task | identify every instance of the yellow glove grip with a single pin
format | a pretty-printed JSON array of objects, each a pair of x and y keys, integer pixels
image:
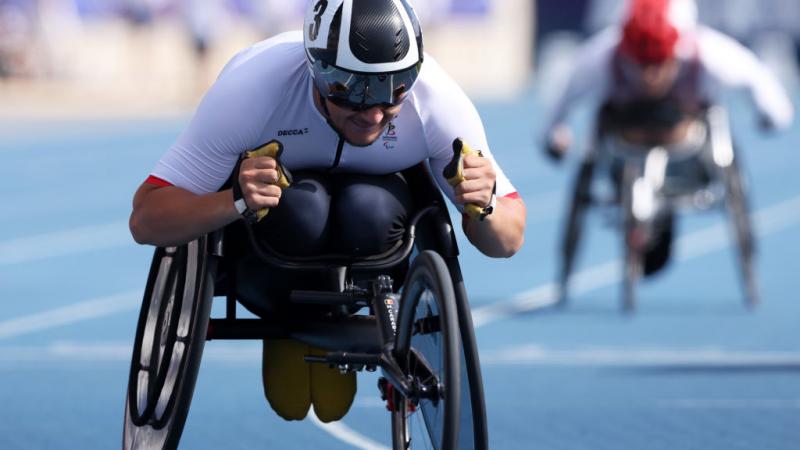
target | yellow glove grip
[
  {"x": 273, "y": 149},
  {"x": 454, "y": 173}
]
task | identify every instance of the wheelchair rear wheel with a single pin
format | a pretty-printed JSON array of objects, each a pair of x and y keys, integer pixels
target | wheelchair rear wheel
[
  {"x": 739, "y": 214},
  {"x": 428, "y": 349},
  {"x": 169, "y": 342}
]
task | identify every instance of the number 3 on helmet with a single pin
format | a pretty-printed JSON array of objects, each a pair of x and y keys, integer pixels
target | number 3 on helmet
[{"x": 363, "y": 53}]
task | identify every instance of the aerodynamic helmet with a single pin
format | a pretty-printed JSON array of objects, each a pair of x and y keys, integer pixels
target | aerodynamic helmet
[
  {"x": 654, "y": 27},
  {"x": 363, "y": 53}
]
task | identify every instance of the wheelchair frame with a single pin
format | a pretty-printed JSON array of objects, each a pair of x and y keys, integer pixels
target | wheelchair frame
[
  {"x": 175, "y": 322},
  {"x": 641, "y": 198}
]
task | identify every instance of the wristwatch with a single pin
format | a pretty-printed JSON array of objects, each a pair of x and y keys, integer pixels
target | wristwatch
[
  {"x": 488, "y": 209},
  {"x": 248, "y": 215}
]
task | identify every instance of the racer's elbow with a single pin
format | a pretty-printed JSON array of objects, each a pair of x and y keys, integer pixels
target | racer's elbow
[
  {"x": 515, "y": 246},
  {"x": 139, "y": 229},
  {"x": 142, "y": 226},
  {"x": 504, "y": 244},
  {"x": 503, "y": 234},
  {"x": 505, "y": 248}
]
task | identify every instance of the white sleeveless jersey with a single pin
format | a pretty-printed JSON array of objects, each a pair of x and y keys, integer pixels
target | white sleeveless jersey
[{"x": 265, "y": 93}]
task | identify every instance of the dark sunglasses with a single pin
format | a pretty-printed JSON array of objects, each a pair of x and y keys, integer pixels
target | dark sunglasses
[
  {"x": 347, "y": 104},
  {"x": 362, "y": 91}
]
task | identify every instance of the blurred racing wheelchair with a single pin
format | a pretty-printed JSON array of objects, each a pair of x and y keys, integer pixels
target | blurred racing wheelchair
[
  {"x": 404, "y": 312},
  {"x": 644, "y": 186}
]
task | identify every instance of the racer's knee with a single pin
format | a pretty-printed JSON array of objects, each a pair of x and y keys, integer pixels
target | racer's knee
[
  {"x": 371, "y": 212},
  {"x": 299, "y": 225}
]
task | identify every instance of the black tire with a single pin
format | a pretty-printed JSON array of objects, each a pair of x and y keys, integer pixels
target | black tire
[
  {"x": 168, "y": 347},
  {"x": 738, "y": 208},
  {"x": 633, "y": 240},
  {"x": 427, "y": 348},
  {"x": 473, "y": 405},
  {"x": 580, "y": 200}
]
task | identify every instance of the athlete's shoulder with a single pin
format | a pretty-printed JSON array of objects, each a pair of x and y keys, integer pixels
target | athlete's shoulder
[
  {"x": 280, "y": 54},
  {"x": 721, "y": 54},
  {"x": 265, "y": 71},
  {"x": 434, "y": 84},
  {"x": 715, "y": 44},
  {"x": 432, "y": 72},
  {"x": 604, "y": 41}
]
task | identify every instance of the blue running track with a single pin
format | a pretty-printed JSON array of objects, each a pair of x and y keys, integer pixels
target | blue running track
[{"x": 692, "y": 369}]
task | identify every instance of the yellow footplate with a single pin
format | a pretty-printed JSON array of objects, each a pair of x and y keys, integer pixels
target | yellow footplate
[
  {"x": 292, "y": 385},
  {"x": 332, "y": 392},
  {"x": 287, "y": 377}
]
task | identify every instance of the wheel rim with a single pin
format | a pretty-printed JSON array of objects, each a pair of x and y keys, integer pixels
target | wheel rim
[
  {"x": 168, "y": 347},
  {"x": 427, "y": 361},
  {"x": 742, "y": 227},
  {"x": 427, "y": 348}
]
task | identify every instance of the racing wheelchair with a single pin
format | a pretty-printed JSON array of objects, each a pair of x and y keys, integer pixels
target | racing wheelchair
[
  {"x": 404, "y": 312},
  {"x": 646, "y": 186}
]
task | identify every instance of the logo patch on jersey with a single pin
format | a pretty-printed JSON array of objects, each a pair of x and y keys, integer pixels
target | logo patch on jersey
[
  {"x": 390, "y": 137},
  {"x": 295, "y": 132}
]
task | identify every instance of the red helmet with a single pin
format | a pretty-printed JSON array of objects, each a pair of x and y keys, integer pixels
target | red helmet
[{"x": 649, "y": 36}]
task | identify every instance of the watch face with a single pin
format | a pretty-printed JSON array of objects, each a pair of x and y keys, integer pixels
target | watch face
[
  {"x": 489, "y": 208},
  {"x": 249, "y": 216}
]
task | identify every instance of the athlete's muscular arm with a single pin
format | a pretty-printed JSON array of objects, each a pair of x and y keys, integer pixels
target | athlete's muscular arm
[
  {"x": 170, "y": 215},
  {"x": 733, "y": 65},
  {"x": 500, "y": 234},
  {"x": 588, "y": 81}
]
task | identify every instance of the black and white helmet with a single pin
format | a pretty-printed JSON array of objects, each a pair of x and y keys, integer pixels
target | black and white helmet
[{"x": 363, "y": 53}]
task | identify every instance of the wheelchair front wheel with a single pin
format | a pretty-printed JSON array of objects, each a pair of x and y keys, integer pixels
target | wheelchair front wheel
[
  {"x": 580, "y": 202},
  {"x": 169, "y": 342},
  {"x": 428, "y": 350},
  {"x": 634, "y": 236}
]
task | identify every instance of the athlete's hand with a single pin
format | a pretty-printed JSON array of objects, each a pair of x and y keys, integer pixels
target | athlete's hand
[
  {"x": 765, "y": 124},
  {"x": 258, "y": 178},
  {"x": 478, "y": 184},
  {"x": 558, "y": 141}
]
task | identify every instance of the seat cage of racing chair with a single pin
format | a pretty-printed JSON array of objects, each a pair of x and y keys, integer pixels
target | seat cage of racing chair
[
  {"x": 686, "y": 173},
  {"x": 360, "y": 337}
]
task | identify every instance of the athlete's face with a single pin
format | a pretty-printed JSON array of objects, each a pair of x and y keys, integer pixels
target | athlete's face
[
  {"x": 359, "y": 128},
  {"x": 655, "y": 80}
]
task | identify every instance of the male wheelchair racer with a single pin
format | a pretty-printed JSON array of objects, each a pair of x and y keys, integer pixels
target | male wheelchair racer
[
  {"x": 404, "y": 311},
  {"x": 649, "y": 184}
]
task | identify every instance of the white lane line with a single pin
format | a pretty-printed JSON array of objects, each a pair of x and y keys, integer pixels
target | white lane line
[
  {"x": 119, "y": 351},
  {"x": 61, "y": 352},
  {"x": 699, "y": 357},
  {"x": 85, "y": 310},
  {"x": 66, "y": 242},
  {"x": 769, "y": 220},
  {"x": 730, "y": 403},
  {"x": 345, "y": 434}
]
